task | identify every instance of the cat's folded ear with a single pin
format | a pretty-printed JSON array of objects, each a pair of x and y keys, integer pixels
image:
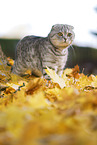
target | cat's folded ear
[
  {"x": 71, "y": 27},
  {"x": 55, "y": 26}
]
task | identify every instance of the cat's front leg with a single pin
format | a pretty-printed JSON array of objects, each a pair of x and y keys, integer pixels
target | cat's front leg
[{"x": 60, "y": 72}]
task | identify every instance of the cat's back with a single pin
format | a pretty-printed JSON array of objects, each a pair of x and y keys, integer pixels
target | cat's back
[
  {"x": 28, "y": 44},
  {"x": 30, "y": 40},
  {"x": 29, "y": 47}
]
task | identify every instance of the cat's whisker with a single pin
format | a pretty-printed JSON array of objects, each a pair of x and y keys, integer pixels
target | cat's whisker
[{"x": 73, "y": 50}]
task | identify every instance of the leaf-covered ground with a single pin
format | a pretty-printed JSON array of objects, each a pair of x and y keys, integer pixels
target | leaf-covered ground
[{"x": 34, "y": 111}]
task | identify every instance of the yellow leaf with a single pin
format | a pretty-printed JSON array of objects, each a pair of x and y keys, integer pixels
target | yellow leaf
[
  {"x": 14, "y": 86},
  {"x": 34, "y": 86},
  {"x": 67, "y": 71},
  {"x": 55, "y": 78},
  {"x": 11, "y": 61}
]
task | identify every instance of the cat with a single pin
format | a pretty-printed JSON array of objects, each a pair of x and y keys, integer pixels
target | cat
[{"x": 35, "y": 53}]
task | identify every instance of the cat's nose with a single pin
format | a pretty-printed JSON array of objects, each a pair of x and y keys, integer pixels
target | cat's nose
[{"x": 65, "y": 39}]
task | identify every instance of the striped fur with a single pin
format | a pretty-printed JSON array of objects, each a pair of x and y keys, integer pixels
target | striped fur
[{"x": 35, "y": 53}]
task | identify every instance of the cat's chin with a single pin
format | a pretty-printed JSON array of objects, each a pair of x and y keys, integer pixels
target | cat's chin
[
  {"x": 65, "y": 45},
  {"x": 62, "y": 47}
]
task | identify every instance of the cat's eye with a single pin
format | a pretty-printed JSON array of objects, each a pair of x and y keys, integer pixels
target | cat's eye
[
  {"x": 60, "y": 34},
  {"x": 69, "y": 34}
]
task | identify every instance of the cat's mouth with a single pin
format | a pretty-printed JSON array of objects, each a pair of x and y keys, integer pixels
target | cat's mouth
[{"x": 66, "y": 43}]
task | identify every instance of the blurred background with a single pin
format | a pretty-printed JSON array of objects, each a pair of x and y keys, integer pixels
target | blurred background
[{"x": 19, "y": 18}]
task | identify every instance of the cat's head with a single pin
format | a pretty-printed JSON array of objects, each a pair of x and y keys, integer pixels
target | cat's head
[{"x": 61, "y": 36}]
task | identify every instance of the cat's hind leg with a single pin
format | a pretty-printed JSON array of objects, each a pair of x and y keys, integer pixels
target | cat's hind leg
[{"x": 18, "y": 69}]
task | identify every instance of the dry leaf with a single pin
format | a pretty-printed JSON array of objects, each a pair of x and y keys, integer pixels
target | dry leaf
[
  {"x": 10, "y": 61},
  {"x": 74, "y": 73},
  {"x": 34, "y": 85},
  {"x": 55, "y": 78}
]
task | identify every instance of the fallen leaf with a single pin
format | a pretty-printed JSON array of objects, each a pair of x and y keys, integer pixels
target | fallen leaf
[
  {"x": 74, "y": 73},
  {"x": 55, "y": 78},
  {"x": 34, "y": 85},
  {"x": 10, "y": 61}
]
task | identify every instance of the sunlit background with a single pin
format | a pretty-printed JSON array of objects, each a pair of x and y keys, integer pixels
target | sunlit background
[{"x": 35, "y": 17}]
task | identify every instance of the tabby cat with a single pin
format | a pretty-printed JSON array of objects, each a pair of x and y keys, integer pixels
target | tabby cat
[{"x": 35, "y": 53}]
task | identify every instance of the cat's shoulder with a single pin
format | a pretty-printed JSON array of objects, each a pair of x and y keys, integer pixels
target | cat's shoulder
[{"x": 30, "y": 37}]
